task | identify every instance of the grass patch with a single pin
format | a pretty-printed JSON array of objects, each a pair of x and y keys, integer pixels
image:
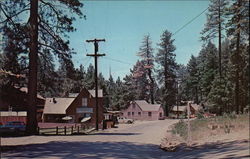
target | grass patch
[{"x": 204, "y": 127}]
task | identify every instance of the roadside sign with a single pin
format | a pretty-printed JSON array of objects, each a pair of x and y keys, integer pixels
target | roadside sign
[{"x": 84, "y": 110}]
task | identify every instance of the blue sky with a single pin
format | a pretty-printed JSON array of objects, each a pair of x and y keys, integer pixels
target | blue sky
[{"x": 124, "y": 24}]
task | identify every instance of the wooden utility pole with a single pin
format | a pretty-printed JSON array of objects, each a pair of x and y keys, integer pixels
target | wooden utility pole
[
  {"x": 33, "y": 55},
  {"x": 96, "y": 55},
  {"x": 189, "y": 139}
]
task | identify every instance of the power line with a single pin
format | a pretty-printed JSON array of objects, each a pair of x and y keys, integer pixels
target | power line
[
  {"x": 190, "y": 21},
  {"x": 87, "y": 61},
  {"x": 127, "y": 63}
]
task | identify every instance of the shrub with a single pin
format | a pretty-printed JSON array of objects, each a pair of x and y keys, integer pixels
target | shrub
[{"x": 180, "y": 128}]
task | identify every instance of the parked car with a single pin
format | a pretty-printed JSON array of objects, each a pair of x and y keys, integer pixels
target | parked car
[
  {"x": 13, "y": 127},
  {"x": 125, "y": 120},
  {"x": 162, "y": 118}
]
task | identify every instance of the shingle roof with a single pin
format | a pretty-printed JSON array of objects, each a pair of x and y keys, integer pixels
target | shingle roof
[
  {"x": 58, "y": 106},
  {"x": 196, "y": 107},
  {"x": 61, "y": 104},
  {"x": 145, "y": 106},
  {"x": 180, "y": 108},
  {"x": 184, "y": 108}
]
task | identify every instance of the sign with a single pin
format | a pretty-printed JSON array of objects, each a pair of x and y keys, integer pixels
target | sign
[{"x": 84, "y": 110}]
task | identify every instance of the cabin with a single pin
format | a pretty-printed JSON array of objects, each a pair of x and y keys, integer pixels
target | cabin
[
  {"x": 76, "y": 108},
  {"x": 142, "y": 110},
  {"x": 14, "y": 99},
  {"x": 182, "y": 110}
]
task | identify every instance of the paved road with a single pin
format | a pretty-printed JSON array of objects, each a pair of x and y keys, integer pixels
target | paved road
[{"x": 135, "y": 141}]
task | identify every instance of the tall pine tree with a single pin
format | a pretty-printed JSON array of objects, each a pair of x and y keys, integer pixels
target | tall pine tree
[{"x": 167, "y": 68}]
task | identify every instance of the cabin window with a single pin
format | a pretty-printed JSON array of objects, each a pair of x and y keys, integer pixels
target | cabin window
[
  {"x": 149, "y": 113},
  {"x": 139, "y": 113},
  {"x": 84, "y": 102},
  {"x": 160, "y": 114},
  {"x": 133, "y": 113},
  {"x": 128, "y": 113}
]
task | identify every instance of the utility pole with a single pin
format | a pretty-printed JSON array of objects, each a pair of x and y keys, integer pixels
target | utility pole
[{"x": 96, "y": 55}]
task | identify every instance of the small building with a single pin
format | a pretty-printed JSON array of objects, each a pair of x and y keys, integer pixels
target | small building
[
  {"x": 142, "y": 110},
  {"x": 8, "y": 116},
  {"x": 16, "y": 99},
  {"x": 77, "y": 108},
  {"x": 182, "y": 110}
]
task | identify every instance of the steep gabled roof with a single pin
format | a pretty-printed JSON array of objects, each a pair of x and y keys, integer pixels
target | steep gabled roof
[
  {"x": 57, "y": 105},
  {"x": 60, "y": 105},
  {"x": 180, "y": 108},
  {"x": 145, "y": 106}
]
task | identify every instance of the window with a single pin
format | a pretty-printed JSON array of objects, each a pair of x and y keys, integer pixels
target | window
[
  {"x": 133, "y": 105},
  {"x": 160, "y": 114},
  {"x": 139, "y": 113},
  {"x": 133, "y": 113},
  {"x": 84, "y": 102},
  {"x": 128, "y": 113},
  {"x": 149, "y": 113}
]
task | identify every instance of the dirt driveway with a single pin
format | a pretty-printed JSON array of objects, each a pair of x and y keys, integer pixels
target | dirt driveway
[{"x": 135, "y": 141}]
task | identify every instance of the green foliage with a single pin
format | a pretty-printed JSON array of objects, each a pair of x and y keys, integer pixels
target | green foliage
[
  {"x": 54, "y": 24},
  {"x": 180, "y": 128},
  {"x": 166, "y": 72},
  {"x": 146, "y": 53}
]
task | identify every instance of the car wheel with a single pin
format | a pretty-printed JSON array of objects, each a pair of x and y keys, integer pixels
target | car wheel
[{"x": 129, "y": 122}]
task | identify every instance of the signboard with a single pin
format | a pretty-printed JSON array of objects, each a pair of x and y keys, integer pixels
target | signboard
[{"x": 84, "y": 110}]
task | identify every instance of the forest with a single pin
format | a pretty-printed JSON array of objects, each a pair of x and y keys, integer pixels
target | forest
[{"x": 218, "y": 77}]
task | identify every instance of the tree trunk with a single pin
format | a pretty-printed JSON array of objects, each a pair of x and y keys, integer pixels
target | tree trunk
[
  {"x": 151, "y": 86},
  {"x": 33, "y": 55},
  {"x": 237, "y": 82},
  {"x": 219, "y": 41},
  {"x": 166, "y": 83}
]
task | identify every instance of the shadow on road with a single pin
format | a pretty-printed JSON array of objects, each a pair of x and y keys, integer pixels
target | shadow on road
[
  {"x": 121, "y": 150},
  {"x": 126, "y": 134},
  {"x": 90, "y": 150}
]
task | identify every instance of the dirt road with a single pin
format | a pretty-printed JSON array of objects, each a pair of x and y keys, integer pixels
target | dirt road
[{"x": 135, "y": 141}]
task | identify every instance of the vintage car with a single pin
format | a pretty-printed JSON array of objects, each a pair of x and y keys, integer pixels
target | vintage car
[
  {"x": 125, "y": 120},
  {"x": 13, "y": 127}
]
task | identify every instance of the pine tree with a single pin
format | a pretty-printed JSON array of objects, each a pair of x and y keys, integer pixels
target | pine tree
[
  {"x": 140, "y": 81},
  {"x": 89, "y": 81},
  {"x": 146, "y": 53},
  {"x": 215, "y": 24},
  {"x": 167, "y": 67},
  {"x": 193, "y": 80},
  {"x": 43, "y": 30},
  {"x": 208, "y": 64},
  {"x": 238, "y": 32}
]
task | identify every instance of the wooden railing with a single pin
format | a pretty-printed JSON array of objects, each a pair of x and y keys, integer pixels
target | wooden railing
[{"x": 66, "y": 130}]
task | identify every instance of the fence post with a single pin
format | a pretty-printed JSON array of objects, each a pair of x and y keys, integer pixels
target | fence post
[
  {"x": 57, "y": 130},
  {"x": 72, "y": 130},
  {"x": 38, "y": 130},
  {"x": 65, "y": 130}
]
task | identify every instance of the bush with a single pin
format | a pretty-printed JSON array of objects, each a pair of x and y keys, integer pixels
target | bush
[
  {"x": 200, "y": 115},
  {"x": 180, "y": 128}
]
